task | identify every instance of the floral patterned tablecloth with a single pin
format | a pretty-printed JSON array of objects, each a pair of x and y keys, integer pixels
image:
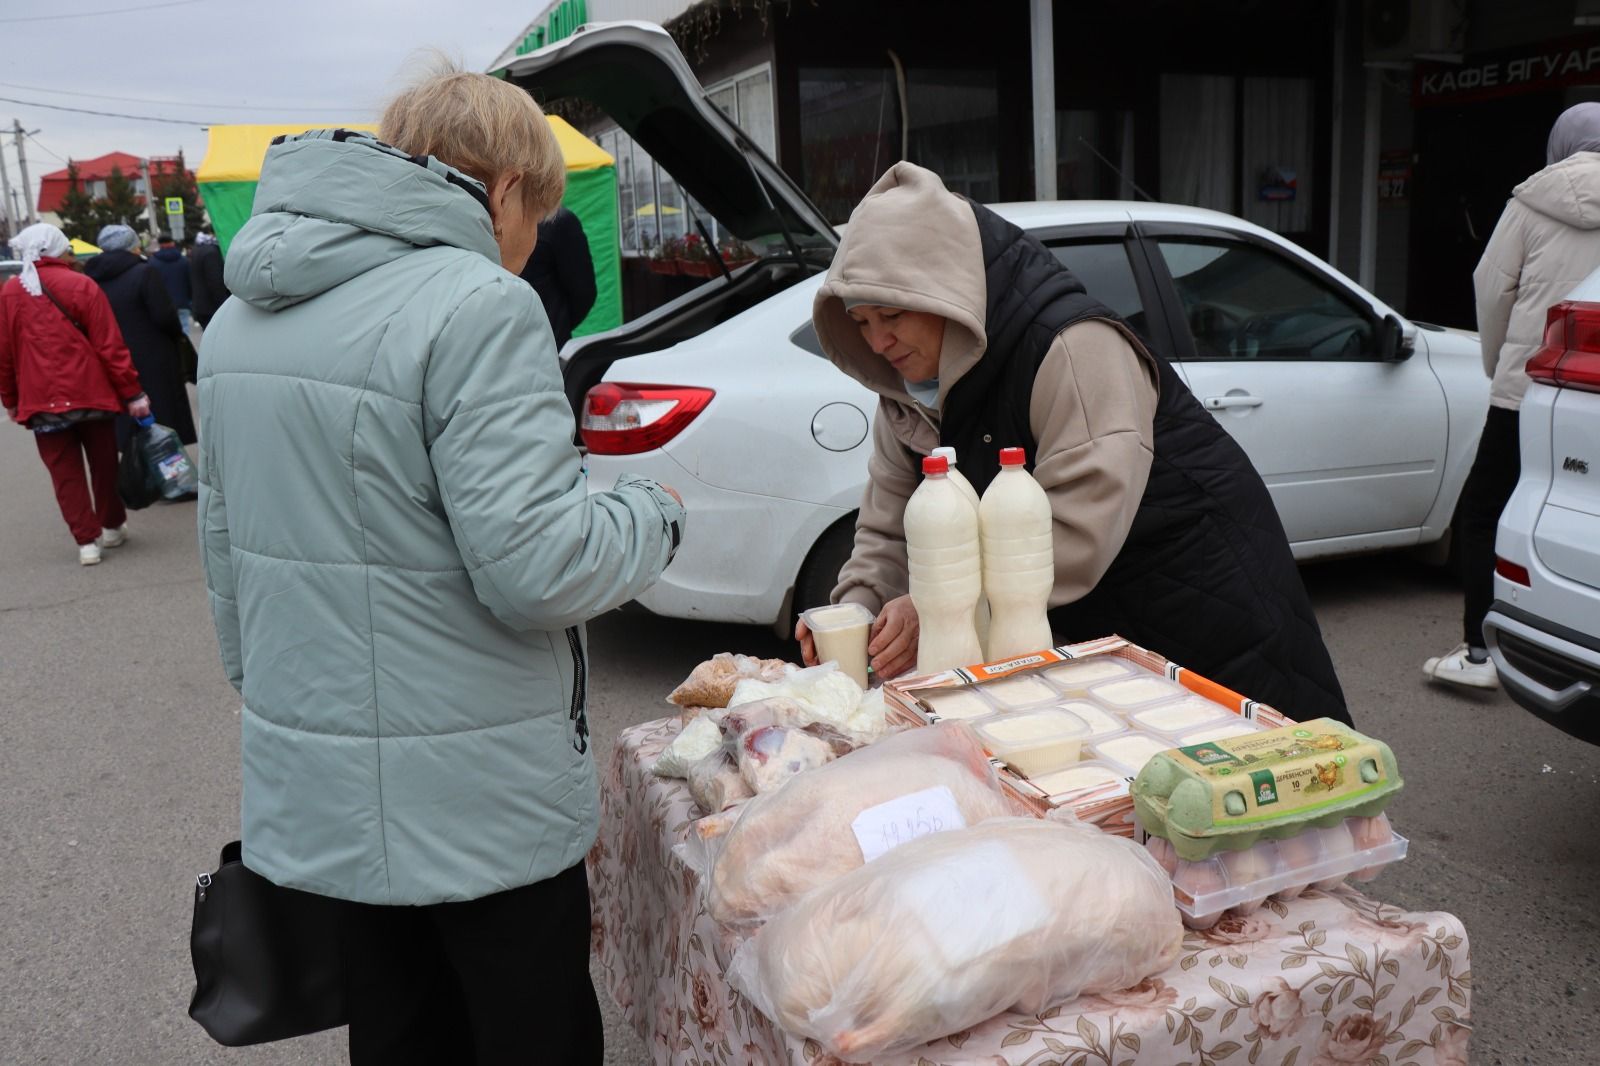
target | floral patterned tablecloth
[{"x": 1331, "y": 979}]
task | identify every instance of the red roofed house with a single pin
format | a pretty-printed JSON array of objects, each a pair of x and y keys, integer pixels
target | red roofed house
[{"x": 92, "y": 173}]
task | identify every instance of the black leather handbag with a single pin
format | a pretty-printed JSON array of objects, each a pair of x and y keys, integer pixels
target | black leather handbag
[{"x": 267, "y": 959}]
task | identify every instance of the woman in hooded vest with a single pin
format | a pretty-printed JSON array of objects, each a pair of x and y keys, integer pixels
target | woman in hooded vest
[
  {"x": 1547, "y": 240},
  {"x": 975, "y": 336}
]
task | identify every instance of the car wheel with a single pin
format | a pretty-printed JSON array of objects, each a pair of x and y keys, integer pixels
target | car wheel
[{"x": 821, "y": 570}]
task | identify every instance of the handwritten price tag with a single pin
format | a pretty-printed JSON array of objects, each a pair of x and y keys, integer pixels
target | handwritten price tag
[{"x": 885, "y": 827}]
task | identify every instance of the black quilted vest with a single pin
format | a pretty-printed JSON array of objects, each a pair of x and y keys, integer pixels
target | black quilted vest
[{"x": 1205, "y": 576}]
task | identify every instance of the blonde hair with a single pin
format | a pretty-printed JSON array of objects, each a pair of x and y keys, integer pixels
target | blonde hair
[{"x": 484, "y": 127}]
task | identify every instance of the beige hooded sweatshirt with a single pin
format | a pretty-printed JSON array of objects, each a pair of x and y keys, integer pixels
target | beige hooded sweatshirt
[
  {"x": 1547, "y": 240},
  {"x": 912, "y": 244}
]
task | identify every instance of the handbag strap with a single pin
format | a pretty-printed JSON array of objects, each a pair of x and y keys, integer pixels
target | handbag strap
[{"x": 60, "y": 307}]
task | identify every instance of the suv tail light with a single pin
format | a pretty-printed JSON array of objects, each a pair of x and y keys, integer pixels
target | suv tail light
[
  {"x": 1512, "y": 572},
  {"x": 1570, "y": 356},
  {"x": 621, "y": 418}
]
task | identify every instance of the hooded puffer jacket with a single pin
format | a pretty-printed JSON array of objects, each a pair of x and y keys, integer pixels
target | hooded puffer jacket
[
  {"x": 1164, "y": 533},
  {"x": 1547, "y": 240},
  {"x": 399, "y": 544}
]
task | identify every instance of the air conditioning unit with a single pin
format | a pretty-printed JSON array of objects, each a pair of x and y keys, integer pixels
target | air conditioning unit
[{"x": 1395, "y": 32}]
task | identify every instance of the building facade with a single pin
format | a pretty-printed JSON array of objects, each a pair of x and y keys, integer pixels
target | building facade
[{"x": 1383, "y": 135}]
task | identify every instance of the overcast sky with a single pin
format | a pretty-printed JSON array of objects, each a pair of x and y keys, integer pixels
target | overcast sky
[{"x": 205, "y": 61}]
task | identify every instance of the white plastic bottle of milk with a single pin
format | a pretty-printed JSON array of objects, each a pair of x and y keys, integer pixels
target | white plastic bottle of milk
[
  {"x": 1018, "y": 559},
  {"x": 946, "y": 576},
  {"x": 981, "y": 619}
]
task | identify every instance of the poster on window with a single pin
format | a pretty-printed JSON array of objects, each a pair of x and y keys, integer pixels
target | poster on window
[
  {"x": 1394, "y": 176},
  {"x": 1277, "y": 184}
]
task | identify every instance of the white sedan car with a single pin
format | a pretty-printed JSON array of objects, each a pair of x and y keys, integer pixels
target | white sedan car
[{"x": 1362, "y": 424}]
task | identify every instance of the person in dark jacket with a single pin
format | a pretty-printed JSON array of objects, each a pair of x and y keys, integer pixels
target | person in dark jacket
[
  {"x": 150, "y": 327},
  {"x": 976, "y": 337},
  {"x": 64, "y": 374},
  {"x": 206, "y": 287},
  {"x": 561, "y": 271},
  {"x": 168, "y": 259}
]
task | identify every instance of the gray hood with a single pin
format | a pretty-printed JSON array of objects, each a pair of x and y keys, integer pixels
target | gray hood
[
  {"x": 1568, "y": 191},
  {"x": 332, "y": 205}
]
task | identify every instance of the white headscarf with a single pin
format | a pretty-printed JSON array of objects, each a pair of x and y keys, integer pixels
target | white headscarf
[{"x": 38, "y": 240}]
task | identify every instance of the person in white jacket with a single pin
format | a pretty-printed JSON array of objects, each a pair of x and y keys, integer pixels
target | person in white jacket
[{"x": 1547, "y": 240}]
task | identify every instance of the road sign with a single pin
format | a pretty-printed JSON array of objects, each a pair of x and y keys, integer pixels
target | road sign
[{"x": 174, "y": 205}]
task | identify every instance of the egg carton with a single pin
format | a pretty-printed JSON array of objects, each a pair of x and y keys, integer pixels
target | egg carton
[{"x": 1242, "y": 881}]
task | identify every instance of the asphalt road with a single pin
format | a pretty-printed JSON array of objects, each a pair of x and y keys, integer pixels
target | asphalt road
[{"x": 119, "y": 781}]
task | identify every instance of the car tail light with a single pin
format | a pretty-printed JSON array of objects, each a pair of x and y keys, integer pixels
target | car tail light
[
  {"x": 1570, "y": 356},
  {"x": 1512, "y": 572},
  {"x": 621, "y": 418}
]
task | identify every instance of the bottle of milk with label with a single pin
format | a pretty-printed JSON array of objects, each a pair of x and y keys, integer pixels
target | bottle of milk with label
[
  {"x": 981, "y": 619},
  {"x": 1018, "y": 559},
  {"x": 946, "y": 576}
]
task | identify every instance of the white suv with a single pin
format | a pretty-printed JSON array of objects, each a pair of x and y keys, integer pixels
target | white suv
[{"x": 1544, "y": 628}]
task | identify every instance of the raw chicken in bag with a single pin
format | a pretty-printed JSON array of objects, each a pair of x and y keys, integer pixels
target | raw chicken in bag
[
  {"x": 804, "y": 834},
  {"x": 948, "y": 930}
]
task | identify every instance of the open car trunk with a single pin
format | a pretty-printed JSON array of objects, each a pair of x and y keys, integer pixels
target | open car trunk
[{"x": 634, "y": 73}]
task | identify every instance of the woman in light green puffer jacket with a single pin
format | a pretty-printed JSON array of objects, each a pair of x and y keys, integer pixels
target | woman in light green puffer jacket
[{"x": 401, "y": 552}]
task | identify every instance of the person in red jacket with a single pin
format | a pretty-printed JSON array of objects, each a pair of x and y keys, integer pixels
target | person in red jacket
[{"x": 65, "y": 374}]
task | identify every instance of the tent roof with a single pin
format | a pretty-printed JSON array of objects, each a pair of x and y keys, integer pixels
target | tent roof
[
  {"x": 234, "y": 153},
  {"x": 83, "y": 248}
]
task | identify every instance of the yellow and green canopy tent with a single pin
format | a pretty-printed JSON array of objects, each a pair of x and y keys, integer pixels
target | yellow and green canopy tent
[{"x": 232, "y": 167}]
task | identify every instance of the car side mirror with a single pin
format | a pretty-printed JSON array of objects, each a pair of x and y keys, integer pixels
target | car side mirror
[{"x": 1392, "y": 346}]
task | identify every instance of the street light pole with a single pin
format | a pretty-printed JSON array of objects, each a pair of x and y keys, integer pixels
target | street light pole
[
  {"x": 11, "y": 226},
  {"x": 1044, "y": 99},
  {"x": 22, "y": 165}
]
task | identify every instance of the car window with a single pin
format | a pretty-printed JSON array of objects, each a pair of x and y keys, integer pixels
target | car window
[
  {"x": 1245, "y": 302},
  {"x": 1103, "y": 268}
]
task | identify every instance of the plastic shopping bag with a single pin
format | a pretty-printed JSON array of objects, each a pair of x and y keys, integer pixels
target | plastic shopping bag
[
  {"x": 950, "y": 929},
  {"x": 155, "y": 467}
]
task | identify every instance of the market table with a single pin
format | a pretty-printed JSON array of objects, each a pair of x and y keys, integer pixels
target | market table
[{"x": 1330, "y": 979}]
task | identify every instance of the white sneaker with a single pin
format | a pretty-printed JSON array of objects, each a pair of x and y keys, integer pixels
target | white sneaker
[
  {"x": 1456, "y": 669},
  {"x": 114, "y": 538},
  {"x": 89, "y": 554}
]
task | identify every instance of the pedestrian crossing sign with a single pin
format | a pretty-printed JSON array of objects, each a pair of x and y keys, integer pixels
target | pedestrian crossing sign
[{"x": 174, "y": 205}]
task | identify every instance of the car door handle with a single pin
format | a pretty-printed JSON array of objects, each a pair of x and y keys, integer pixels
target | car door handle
[{"x": 1217, "y": 403}]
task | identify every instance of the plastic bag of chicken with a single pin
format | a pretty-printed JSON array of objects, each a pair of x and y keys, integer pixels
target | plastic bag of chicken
[
  {"x": 951, "y": 929},
  {"x": 827, "y": 821}
]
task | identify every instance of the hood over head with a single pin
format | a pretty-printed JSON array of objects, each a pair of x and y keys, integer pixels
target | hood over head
[
  {"x": 912, "y": 244},
  {"x": 168, "y": 255},
  {"x": 1567, "y": 191},
  {"x": 332, "y": 205}
]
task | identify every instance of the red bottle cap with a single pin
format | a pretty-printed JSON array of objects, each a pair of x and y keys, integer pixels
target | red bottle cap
[
  {"x": 1013, "y": 457},
  {"x": 935, "y": 464}
]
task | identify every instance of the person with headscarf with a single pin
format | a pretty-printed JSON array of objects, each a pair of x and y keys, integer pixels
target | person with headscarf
[
  {"x": 150, "y": 326},
  {"x": 1547, "y": 240},
  {"x": 65, "y": 374}
]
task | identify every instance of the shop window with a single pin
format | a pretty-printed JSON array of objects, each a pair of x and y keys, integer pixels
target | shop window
[
  {"x": 747, "y": 101},
  {"x": 1197, "y": 140},
  {"x": 1239, "y": 145},
  {"x": 1246, "y": 302},
  {"x": 1094, "y": 155},
  {"x": 1275, "y": 150},
  {"x": 849, "y": 133}
]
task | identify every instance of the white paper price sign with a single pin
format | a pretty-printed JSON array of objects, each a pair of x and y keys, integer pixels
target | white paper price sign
[{"x": 885, "y": 827}]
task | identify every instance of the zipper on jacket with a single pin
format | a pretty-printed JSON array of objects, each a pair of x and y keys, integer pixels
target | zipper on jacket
[{"x": 580, "y": 685}]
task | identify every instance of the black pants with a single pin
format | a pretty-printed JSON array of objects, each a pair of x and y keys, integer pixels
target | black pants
[
  {"x": 1493, "y": 478},
  {"x": 498, "y": 980}
]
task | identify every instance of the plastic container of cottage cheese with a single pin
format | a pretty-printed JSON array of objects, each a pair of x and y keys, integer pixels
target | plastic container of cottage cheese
[
  {"x": 1176, "y": 717},
  {"x": 963, "y": 703},
  {"x": 1129, "y": 751},
  {"x": 1034, "y": 741},
  {"x": 1076, "y": 675},
  {"x": 1135, "y": 693}
]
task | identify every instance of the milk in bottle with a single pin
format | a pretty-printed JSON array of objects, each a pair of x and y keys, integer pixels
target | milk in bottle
[
  {"x": 1018, "y": 559},
  {"x": 981, "y": 619},
  {"x": 946, "y": 577}
]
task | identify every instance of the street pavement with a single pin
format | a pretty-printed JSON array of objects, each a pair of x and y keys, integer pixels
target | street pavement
[{"x": 119, "y": 782}]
